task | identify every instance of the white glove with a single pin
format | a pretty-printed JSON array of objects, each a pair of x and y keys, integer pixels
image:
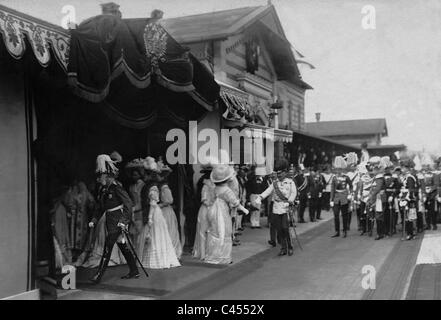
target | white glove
[
  {"x": 91, "y": 224},
  {"x": 320, "y": 194},
  {"x": 122, "y": 225},
  {"x": 349, "y": 197},
  {"x": 150, "y": 223},
  {"x": 245, "y": 211},
  {"x": 331, "y": 204},
  {"x": 439, "y": 199},
  {"x": 390, "y": 199}
]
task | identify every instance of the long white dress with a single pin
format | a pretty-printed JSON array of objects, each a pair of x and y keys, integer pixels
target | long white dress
[
  {"x": 166, "y": 198},
  {"x": 157, "y": 250},
  {"x": 207, "y": 200},
  {"x": 219, "y": 235}
]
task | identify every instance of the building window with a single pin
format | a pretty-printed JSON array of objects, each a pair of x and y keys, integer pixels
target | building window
[{"x": 252, "y": 52}]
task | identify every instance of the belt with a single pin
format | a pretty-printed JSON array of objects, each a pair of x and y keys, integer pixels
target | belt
[
  {"x": 120, "y": 207},
  {"x": 344, "y": 190}
]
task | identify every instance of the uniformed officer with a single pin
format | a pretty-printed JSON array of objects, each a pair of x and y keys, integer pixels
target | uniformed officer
[
  {"x": 361, "y": 196},
  {"x": 301, "y": 181},
  {"x": 393, "y": 187},
  {"x": 408, "y": 198},
  {"x": 341, "y": 190},
  {"x": 115, "y": 203},
  {"x": 315, "y": 192},
  {"x": 429, "y": 190},
  {"x": 377, "y": 195},
  {"x": 353, "y": 174}
]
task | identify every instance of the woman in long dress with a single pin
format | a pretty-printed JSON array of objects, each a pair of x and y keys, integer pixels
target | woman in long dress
[
  {"x": 207, "y": 200},
  {"x": 156, "y": 250},
  {"x": 219, "y": 235}
]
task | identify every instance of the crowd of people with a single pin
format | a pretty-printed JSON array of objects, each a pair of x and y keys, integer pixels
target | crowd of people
[{"x": 141, "y": 219}]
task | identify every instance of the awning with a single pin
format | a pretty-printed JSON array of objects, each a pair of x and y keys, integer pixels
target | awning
[{"x": 106, "y": 47}]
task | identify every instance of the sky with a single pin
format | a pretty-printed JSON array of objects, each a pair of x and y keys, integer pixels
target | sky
[{"x": 392, "y": 71}]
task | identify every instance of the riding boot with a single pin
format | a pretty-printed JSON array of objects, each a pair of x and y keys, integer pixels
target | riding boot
[
  {"x": 380, "y": 230},
  {"x": 131, "y": 263},
  {"x": 101, "y": 269}
]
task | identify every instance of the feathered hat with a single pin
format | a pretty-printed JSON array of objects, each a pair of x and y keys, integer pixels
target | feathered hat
[
  {"x": 105, "y": 165},
  {"x": 222, "y": 173},
  {"x": 376, "y": 163},
  {"x": 164, "y": 168},
  {"x": 151, "y": 165},
  {"x": 407, "y": 163},
  {"x": 417, "y": 162},
  {"x": 207, "y": 164},
  {"x": 427, "y": 160},
  {"x": 116, "y": 157},
  {"x": 340, "y": 163},
  {"x": 351, "y": 159},
  {"x": 386, "y": 163}
]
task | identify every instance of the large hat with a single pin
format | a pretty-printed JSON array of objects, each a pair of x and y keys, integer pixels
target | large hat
[
  {"x": 151, "y": 165},
  {"x": 340, "y": 163},
  {"x": 207, "y": 164},
  {"x": 417, "y": 162},
  {"x": 135, "y": 164},
  {"x": 351, "y": 159},
  {"x": 386, "y": 163},
  {"x": 105, "y": 165},
  {"x": 221, "y": 173}
]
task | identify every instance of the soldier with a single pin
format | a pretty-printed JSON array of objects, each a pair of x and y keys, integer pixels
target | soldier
[
  {"x": 283, "y": 192},
  {"x": 115, "y": 203},
  {"x": 377, "y": 195},
  {"x": 301, "y": 180},
  {"x": 315, "y": 192},
  {"x": 341, "y": 190},
  {"x": 361, "y": 196},
  {"x": 429, "y": 190},
  {"x": 393, "y": 187},
  {"x": 408, "y": 198},
  {"x": 328, "y": 176},
  {"x": 352, "y": 159}
]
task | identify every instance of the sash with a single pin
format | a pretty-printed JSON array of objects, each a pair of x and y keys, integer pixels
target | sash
[{"x": 279, "y": 192}]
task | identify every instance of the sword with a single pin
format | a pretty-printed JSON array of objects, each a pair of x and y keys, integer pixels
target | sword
[
  {"x": 126, "y": 234},
  {"x": 291, "y": 218}
]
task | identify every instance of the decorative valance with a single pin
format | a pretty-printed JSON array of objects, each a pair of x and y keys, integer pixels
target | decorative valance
[
  {"x": 106, "y": 47},
  {"x": 43, "y": 37}
]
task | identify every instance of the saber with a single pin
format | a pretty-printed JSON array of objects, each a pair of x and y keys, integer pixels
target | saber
[
  {"x": 292, "y": 223},
  {"x": 127, "y": 236}
]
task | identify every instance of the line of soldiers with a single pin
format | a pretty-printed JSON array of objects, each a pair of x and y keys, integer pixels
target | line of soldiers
[{"x": 380, "y": 192}]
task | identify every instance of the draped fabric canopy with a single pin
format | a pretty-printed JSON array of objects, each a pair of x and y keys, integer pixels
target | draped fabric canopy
[{"x": 138, "y": 70}]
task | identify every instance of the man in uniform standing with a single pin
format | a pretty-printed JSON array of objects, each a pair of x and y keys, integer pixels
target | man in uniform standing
[
  {"x": 283, "y": 192},
  {"x": 315, "y": 193},
  {"x": 377, "y": 195},
  {"x": 115, "y": 203},
  {"x": 341, "y": 190},
  {"x": 429, "y": 190},
  {"x": 393, "y": 187},
  {"x": 301, "y": 181},
  {"x": 408, "y": 198}
]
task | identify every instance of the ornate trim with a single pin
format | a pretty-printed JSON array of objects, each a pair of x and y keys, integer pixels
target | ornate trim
[{"x": 42, "y": 38}]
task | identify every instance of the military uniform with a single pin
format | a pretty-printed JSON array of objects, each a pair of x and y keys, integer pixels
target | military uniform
[
  {"x": 301, "y": 181},
  {"x": 393, "y": 186},
  {"x": 362, "y": 196},
  {"x": 408, "y": 202},
  {"x": 354, "y": 177},
  {"x": 429, "y": 189},
  {"x": 377, "y": 199},
  {"x": 316, "y": 185},
  {"x": 115, "y": 203},
  {"x": 341, "y": 189}
]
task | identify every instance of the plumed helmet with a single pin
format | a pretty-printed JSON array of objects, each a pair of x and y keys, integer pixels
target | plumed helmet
[
  {"x": 104, "y": 164},
  {"x": 386, "y": 163},
  {"x": 351, "y": 159},
  {"x": 340, "y": 163}
]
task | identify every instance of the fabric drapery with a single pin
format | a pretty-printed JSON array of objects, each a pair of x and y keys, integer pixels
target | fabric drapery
[{"x": 136, "y": 69}]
